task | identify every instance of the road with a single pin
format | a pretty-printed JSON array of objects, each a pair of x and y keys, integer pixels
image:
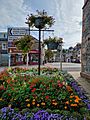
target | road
[{"x": 66, "y": 66}]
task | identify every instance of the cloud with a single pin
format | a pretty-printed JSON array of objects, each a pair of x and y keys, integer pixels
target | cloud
[
  {"x": 12, "y": 13},
  {"x": 68, "y": 20},
  {"x": 67, "y": 13}
]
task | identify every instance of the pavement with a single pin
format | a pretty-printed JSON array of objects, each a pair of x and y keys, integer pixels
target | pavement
[
  {"x": 73, "y": 69},
  {"x": 85, "y": 83}
]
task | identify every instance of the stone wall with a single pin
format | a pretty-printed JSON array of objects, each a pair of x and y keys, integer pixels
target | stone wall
[{"x": 85, "y": 50}]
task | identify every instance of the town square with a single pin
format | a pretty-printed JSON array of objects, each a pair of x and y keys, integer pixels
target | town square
[{"x": 45, "y": 60}]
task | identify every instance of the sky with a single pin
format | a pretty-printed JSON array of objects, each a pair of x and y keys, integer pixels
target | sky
[{"x": 67, "y": 14}]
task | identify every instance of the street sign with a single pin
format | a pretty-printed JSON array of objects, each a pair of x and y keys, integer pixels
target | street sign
[
  {"x": 12, "y": 38},
  {"x": 15, "y": 31}
]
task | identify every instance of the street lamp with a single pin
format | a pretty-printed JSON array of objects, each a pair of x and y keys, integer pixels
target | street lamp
[
  {"x": 9, "y": 64},
  {"x": 39, "y": 24},
  {"x": 28, "y": 22},
  {"x": 60, "y": 54}
]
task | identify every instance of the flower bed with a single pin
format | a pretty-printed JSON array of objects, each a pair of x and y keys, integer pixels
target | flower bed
[{"x": 24, "y": 93}]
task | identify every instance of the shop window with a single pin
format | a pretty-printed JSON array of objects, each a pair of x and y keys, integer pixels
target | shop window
[
  {"x": 18, "y": 58},
  {"x": 4, "y": 46}
]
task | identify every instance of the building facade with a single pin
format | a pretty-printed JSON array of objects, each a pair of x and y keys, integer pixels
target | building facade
[
  {"x": 3, "y": 49},
  {"x": 85, "y": 51},
  {"x": 9, "y": 55}
]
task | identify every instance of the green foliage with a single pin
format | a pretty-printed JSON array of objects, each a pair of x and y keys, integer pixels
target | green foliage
[
  {"x": 51, "y": 92},
  {"x": 46, "y": 20},
  {"x": 25, "y": 43},
  {"x": 49, "y": 54},
  {"x": 53, "y": 40}
]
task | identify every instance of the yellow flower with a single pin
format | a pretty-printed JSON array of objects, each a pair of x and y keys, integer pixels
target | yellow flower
[
  {"x": 1, "y": 99},
  {"x": 55, "y": 103},
  {"x": 38, "y": 105},
  {"x": 33, "y": 100},
  {"x": 43, "y": 103},
  {"x": 28, "y": 105},
  {"x": 65, "y": 107},
  {"x": 53, "y": 100},
  {"x": 27, "y": 100},
  {"x": 9, "y": 105}
]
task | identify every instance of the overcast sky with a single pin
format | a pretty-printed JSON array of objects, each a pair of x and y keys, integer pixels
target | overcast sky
[{"x": 67, "y": 14}]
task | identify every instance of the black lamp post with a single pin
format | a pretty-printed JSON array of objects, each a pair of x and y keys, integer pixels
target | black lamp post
[
  {"x": 60, "y": 53},
  {"x": 39, "y": 24}
]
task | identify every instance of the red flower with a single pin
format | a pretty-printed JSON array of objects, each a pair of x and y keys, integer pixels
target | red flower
[
  {"x": 47, "y": 97},
  {"x": 43, "y": 93},
  {"x": 12, "y": 88},
  {"x": 2, "y": 87},
  {"x": 32, "y": 85},
  {"x": 60, "y": 84},
  {"x": 33, "y": 90}
]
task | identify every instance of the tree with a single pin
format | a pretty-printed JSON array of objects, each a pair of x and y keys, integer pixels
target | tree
[
  {"x": 25, "y": 44},
  {"x": 49, "y": 54}
]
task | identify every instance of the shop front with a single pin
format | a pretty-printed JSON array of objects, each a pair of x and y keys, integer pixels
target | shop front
[{"x": 18, "y": 58}]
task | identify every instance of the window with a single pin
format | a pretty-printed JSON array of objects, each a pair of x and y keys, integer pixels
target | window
[{"x": 4, "y": 46}]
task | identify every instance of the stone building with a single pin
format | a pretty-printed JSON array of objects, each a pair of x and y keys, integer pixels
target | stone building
[
  {"x": 9, "y": 53},
  {"x": 85, "y": 51}
]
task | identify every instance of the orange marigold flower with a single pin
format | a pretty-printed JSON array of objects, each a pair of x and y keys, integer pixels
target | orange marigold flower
[
  {"x": 33, "y": 103},
  {"x": 67, "y": 102},
  {"x": 73, "y": 105},
  {"x": 76, "y": 100},
  {"x": 72, "y": 96}
]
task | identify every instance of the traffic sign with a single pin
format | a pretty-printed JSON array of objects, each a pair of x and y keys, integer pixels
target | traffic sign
[{"x": 15, "y": 31}]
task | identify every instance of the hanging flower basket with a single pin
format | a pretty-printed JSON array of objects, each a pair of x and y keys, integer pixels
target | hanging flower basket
[{"x": 52, "y": 45}]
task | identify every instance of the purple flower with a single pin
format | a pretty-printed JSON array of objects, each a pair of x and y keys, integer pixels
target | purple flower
[{"x": 88, "y": 106}]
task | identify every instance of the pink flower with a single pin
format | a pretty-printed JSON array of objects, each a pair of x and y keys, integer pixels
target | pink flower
[{"x": 58, "y": 81}]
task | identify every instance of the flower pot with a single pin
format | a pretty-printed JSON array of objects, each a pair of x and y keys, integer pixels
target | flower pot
[{"x": 52, "y": 45}]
